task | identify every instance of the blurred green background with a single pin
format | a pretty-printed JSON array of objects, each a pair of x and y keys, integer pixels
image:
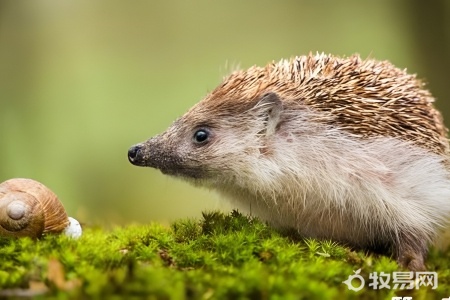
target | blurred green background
[{"x": 83, "y": 80}]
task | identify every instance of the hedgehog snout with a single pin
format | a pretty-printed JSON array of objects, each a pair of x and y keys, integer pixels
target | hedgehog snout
[{"x": 152, "y": 153}]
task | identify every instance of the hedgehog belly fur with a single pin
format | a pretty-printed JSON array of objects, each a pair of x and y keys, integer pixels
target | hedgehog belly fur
[{"x": 338, "y": 186}]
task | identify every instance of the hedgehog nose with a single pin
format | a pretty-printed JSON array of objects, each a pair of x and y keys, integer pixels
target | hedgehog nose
[{"x": 134, "y": 154}]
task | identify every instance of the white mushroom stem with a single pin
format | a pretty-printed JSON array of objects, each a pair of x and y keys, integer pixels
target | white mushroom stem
[{"x": 73, "y": 230}]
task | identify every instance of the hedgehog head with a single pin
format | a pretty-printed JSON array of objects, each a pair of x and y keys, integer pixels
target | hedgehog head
[{"x": 236, "y": 125}]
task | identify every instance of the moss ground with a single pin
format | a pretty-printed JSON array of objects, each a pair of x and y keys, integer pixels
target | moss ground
[{"x": 219, "y": 257}]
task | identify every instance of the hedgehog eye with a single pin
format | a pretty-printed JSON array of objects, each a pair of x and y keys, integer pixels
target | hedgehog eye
[{"x": 201, "y": 136}]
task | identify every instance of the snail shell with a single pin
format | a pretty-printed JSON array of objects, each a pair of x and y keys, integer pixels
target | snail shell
[{"x": 29, "y": 208}]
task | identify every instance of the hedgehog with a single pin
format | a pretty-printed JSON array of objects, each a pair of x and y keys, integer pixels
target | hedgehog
[{"x": 338, "y": 148}]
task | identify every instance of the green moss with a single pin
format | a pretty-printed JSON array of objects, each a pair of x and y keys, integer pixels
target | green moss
[{"x": 219, "y": 257}]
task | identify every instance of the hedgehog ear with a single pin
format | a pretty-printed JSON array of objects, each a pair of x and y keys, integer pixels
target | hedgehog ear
[{"x": 271, "y": 107}]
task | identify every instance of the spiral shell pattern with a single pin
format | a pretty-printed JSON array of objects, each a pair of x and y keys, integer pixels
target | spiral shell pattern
[{"x": 29, "y": 208}]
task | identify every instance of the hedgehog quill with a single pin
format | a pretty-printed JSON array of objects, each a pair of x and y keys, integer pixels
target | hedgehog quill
[{"x": 338, "y": 148}]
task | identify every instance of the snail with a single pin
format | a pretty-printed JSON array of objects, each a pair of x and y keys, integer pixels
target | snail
[{"x": 29, "y": 208}]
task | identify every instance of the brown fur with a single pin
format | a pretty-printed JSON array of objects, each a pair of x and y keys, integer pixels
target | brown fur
[{"x": 364, "y": 97}]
